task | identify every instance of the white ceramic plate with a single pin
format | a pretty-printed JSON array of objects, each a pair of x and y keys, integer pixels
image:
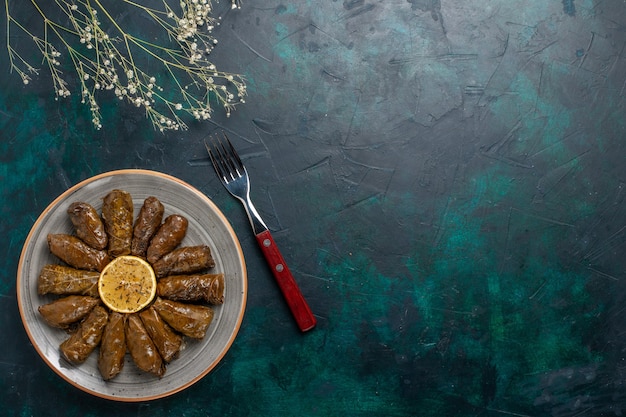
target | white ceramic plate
[{"x": 207, "y": 225}]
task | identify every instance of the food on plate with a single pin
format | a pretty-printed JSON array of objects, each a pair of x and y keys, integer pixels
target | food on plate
[
  {"x": 185, "y": 260},
  {"x": 66, "y": 311},
  {"x": 88, "y": 224},
  {"x": 77, "y": 253},
  {"x": 147, "y": 223},
  {"x": 107, "y": 293},
  {"x": 196, "y": 287},
  {"x": 112, "y": 346},
  {"x": 87, "y": 337},
  {"x": 190, "y": 319},
  {"x": 142, "y": 348},
  {"x": 167, "y": 238},
  {"x": 65, "y": 280},
  {"x": 167, "y": 341},
  {"x": 117, "y": 213}
]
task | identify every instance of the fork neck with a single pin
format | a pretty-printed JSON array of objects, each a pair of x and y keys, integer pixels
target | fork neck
[{"x": 255, "y": 219}]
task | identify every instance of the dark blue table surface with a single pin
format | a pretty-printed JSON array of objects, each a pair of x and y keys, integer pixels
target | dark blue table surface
[{"x": 446, "y": 180}]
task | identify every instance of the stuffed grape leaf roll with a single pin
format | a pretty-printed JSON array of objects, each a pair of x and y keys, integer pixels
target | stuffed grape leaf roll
[
  {"x": 194, "y": 287},
  {"x": 147, "y": 223},
  {"x": 117, "y": 213},
  {"x": 66, "y": 311},
  {"x": 142, "y": 348},
  {"x": 188, "y": 319},
  {"x": 167, "y": 341},
  {"x": 87, "y": 337},
  {"x": 112, "y": 347},
  {"x": 64, "y": 280}
]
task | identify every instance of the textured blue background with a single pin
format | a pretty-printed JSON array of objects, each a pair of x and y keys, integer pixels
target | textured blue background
[{"x": 445, "y": 178}]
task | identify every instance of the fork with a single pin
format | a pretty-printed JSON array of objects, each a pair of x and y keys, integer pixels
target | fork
[{"x": 234, "y": 176}]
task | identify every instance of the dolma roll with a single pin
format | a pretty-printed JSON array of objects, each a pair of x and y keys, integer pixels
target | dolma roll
[
  {"x": 185, "y": 260},
  {"x": 167, "y": 238},
  {"x": 188, "y": 319},
  {"x": 147, "y": 223},
  {"x": 117, "y": 213},
  {"x": 112, "y": 347},
  {"x": 166, "y": 340},
  {"x": 77, "y": 253},
  {"x": 143, "y": 351},
  {"x": 88, "y": 225},
  {"x": 82, "y": 342},
  {"x": 195, "y": 287},
  {"x": 64, "y": 280},
  {"x": 67, "y": 310}
]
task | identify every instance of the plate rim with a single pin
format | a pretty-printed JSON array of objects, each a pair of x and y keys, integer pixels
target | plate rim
[{"x": 53, "y": 204}]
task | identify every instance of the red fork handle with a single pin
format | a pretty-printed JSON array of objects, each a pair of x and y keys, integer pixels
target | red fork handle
[{"x": 296, "y": 302}]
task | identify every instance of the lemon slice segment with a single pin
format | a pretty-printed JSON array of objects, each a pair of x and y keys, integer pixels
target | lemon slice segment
[{"x": 127, "y": 284}]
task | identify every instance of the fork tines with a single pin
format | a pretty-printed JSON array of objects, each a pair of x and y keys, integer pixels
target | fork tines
[{"x": 224, "y": 157}]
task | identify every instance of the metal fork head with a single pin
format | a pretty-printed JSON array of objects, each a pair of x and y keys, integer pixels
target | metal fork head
[
  {"x": 225, "y": 159},
  {"x": 234, "y": 176}
]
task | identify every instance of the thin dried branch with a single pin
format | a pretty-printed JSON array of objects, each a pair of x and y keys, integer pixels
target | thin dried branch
[{"x": 168, "y": 79}]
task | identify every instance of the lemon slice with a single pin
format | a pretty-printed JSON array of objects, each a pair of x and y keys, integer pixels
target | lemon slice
[{"x": 127, "y": 284}]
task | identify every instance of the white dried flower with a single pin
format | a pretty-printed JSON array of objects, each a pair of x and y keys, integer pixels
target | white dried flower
[{"x": 103, "y": 56}]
